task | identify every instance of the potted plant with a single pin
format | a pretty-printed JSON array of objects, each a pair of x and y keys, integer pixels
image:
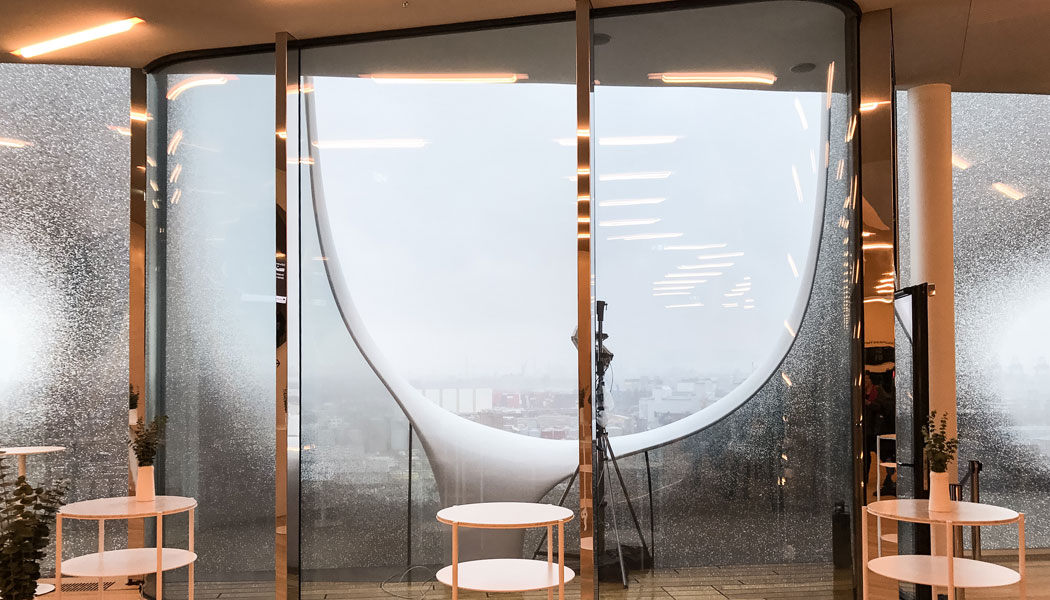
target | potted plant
[
  {"x": 940, "y": 451},
  {"x": 26, "y": 516},
  {"x": 145, "y": 440}
]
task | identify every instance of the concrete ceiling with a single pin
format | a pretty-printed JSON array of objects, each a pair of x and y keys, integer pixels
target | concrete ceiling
[{"x": 975, "y": 45}]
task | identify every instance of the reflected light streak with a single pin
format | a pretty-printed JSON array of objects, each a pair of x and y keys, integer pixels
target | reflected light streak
[
  {"x": 883, "y": 300},
  {"x": 13, "y": 143},
  {"x": 196, "y": 81},
  {"x": 627, "y": 222},
  {"x": 638, "y": 140},
  {"x": 694, "y": 304},
  {"x": 125, "y": 131},
  {"x": 715, "y": 77},
  {"x": 679, "y": 282},
  {"x": 852, "y": 129},
  {"x": 645, "y": 236},
  {"x": 831, "y": 80},
  {"x": 410, "y": 78},
  {"x": 671, "y": 294},
  {"x": 840, "y": 169},
  {"x": 1008, "y": 190},
  {"x": 733, "y": 294},
  {"x": 80, "y": 37},
  {"x": 142, "y": 117},
  {"x": 639, "y": 175},
  {"x": 294, "y": 89},
  {"x": 870, "y": 106},
  {"x": 707, "y": 266},
  {"x": 813, "y": 161},
  {"x": 722, "y": 255},
  {"x": 703, "y": 274},
  {"x": 635, "y": 202},
  {"x": 867, "y": 233},
  {"x": 370, "y": 144},
  {"x": 175, "y": 173},
  {"x": 173, "y": 144},
  {"x": 877, "y": 246},
  {"x": 747, "y": 306},
  {"x": 673, "y": 288},
  {"x": 700, "y": 247},
  {"x": 731, "y": 305},
  {"x": 801, "y": 114},
  {"x": 798, "y": 184},
  {"x": 791, "y": 263},
  {"x": 786, "y": 379},
  {"x": 153, "y": 185},
  {"x": 788, "y": 327},
  {"x": 959, "y": 162}
]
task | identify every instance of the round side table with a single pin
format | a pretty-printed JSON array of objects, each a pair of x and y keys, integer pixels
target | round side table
[
  {"x": 507, "y": 574},
  {"x": 941, "y": 571},
  {"x": 131, "y": 561},
  {"x": 22, "y": 452}
]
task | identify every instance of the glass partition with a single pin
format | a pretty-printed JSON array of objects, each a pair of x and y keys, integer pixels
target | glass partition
[
  {"x": 211, "y": 340},
  {"x": 723, "y": 246},
  {"x": 1001, "y": 282},
  {"x": 64, "y": 209}
]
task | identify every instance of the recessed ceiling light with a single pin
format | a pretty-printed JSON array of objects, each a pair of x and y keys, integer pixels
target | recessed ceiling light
[
  {"x": 715, "y": 77},
  {"x": 445, "y": 77},
  {"x": 805, "y": 67},
  {"x": 79, "y": 37}
]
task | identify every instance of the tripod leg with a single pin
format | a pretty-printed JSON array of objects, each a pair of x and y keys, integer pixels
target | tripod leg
[
  {"x": 652, "y": 523},
  {"x": 561, "y": 502},
  {"x": 626, "y": 496},
  {"x": 619, "y": 548}
]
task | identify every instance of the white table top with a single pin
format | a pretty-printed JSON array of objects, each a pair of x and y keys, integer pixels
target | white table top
[
  {"x": 505, "y": 575},
  {"x": 23, "y": 450},
  {"x": 504, "y": 515},
  {"x": 961, "y": 513},
  {"x": 126, "y": 507}
]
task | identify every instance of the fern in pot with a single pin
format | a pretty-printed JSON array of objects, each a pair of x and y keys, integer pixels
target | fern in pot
[
  {"x": 145, "y": 440},
  {"x": 940, "y": 452},
  {"x": 26, "y": 517}
]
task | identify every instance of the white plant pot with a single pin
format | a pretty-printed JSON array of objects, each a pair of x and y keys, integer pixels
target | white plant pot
[
  {"x": 144, "y": 489},
  {"x": 939, "y": 498}
]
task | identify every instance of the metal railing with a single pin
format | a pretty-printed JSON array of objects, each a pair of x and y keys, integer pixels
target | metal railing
[{"x": 973, "y": 477}]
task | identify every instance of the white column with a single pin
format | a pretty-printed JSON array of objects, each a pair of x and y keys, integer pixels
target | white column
[{"x": 931, "y": 236}]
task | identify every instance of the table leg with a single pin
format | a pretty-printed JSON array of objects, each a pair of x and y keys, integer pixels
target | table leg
[
  {"x": 1023, "y": 584},
  {"x": 160, "y": 550},
  {"x": 58, "y": 555},
  {"x": 561, "y": 561},
  {"x": 865, "y": 575},
  {"x": 101, "y": 549},
  {"x": 191, "y": 550},
  {"x": 550, "y": 558},
  {"x": 21, "y": 465},
  {"x": 949, "y": 553},
  {"x": 455, "y": 561}
]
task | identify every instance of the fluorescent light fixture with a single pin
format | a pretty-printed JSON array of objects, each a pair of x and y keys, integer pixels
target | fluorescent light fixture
[
  {"x": 959, "y": 162},
  {"x": 694, "y": 304},
  {"x": 401, "y": 78},
  {"x": 197, "y": 81},
  {"x": 671, "y": 294},
  {"x": 673, "y": 288},
  {"x": 707, "y": 266},
  {"x": 747, "y": 306},
  {"x": 715, "y": 77},
  {"x": 791, "y": 263},
  {"x": 733, "y": 294},
  {"x": 371, "y": 144},
  {"x": 1008, "y": 190},
  {"x": 630, "y": 176},
  {"x": 645, "y": 236},
  {"x": 679, "y": 282},
  {"x": 125, "y": 131},
  {"x": 700, "y": 247},
  {"x": 722, "y": 255},
  {"x": 877, "y": 246},
  {"x": 627, "y": 222},
  {"x": 870, "y": 106},
  {"x": 731, "y": 305},
  {"x": 79, "y": 37},
  {"x": 801, "y": 113},
  {"x": 634, "y": 202},
  {"x": 680, "y": 275},
  {"x": 749, "y": 300}
]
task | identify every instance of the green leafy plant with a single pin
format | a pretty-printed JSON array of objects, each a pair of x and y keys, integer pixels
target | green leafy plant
[
  {"x": 26, "y": 516},
  {"x": 146, "y": 439},
  {"x": 940, "y": 449}
]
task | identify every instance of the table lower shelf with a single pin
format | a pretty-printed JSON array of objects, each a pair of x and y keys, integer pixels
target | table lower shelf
[
  {"x": 505, "y": 575},
  {"x": 933, "y": 570},
  {"x": 131, "y": 561}
]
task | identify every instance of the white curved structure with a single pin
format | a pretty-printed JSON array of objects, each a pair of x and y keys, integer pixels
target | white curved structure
[{"x": 477, "y": 463}]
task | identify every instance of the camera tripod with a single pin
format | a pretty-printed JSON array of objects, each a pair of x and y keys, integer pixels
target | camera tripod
[{"x": 603, "y": 457}]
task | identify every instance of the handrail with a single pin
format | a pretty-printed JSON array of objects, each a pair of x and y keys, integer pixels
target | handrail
[{"x": 973, "y": 477}]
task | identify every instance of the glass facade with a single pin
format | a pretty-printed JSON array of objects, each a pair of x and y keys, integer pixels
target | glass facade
[
  {"x": 1001, "y": 282},
  {"x": 64, "y": 210},
  {"x": 432, "y": 213}
]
